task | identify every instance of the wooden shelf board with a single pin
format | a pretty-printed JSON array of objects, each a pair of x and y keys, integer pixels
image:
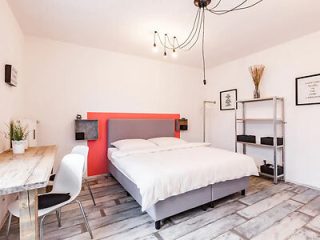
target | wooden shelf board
[
  {"x": 270, "y": 176},
  {"x": 259, "y": 120},
  {"x": 259, "y": 145},
  {"x": 259, "y": 99}
]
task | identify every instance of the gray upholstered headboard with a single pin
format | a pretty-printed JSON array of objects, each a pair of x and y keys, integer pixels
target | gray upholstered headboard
[{"x": 139, "y": 128}]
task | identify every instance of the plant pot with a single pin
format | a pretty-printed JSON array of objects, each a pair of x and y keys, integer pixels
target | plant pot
[{"x": 18, "y": 147}]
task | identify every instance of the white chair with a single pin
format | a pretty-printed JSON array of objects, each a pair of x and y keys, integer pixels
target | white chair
[
  {"x": 68, "y": 180},
  {"x": 84, "y": 150}
]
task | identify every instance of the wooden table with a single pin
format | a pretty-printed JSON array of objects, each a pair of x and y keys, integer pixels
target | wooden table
[{"x": 24, "y": 174}]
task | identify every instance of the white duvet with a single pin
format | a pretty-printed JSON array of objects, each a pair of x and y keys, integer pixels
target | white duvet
[{"x": 160, "y": 173}]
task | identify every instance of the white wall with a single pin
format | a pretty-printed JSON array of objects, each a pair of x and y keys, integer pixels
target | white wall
[
  {"x": 65, "y": 79},
  {"x": 283, "y": 64},
  {"x": 11, "y": 45}
]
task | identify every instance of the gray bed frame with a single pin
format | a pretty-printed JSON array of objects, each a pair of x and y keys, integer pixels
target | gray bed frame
[{"x": 148, "y": 128}]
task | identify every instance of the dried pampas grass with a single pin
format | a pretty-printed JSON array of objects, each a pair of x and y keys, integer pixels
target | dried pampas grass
[{"x": 256, "y": 74}]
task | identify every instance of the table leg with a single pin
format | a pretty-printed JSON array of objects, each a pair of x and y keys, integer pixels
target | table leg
[{"x": 28, "y": 205}]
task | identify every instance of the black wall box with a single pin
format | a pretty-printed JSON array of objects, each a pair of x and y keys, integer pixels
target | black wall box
[{"x": 11, "y": 75}]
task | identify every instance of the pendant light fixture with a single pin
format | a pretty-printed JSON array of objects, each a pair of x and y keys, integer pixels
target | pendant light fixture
[{"x": 197, "y": 30}]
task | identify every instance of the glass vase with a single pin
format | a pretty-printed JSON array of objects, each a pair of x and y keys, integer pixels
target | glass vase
[{"x": 256, "y": 93}]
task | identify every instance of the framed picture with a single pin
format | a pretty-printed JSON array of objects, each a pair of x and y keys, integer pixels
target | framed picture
[
  {"x": 228, "y": 99},
  {"x": 308, "y": 90}
]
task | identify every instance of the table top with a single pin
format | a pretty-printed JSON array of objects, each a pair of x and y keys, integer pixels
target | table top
[{"x": 26, "y": 171}]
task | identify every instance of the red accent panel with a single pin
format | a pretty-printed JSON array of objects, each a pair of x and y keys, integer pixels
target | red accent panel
[{"x": 97, "y": 159}]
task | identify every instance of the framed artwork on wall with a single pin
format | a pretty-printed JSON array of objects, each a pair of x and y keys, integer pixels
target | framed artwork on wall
[
  {"x": 308, "y": 90},
  {"x": 228, "y": 99}
]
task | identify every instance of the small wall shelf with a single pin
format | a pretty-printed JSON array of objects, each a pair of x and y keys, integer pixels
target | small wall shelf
[
  {"x": 276, "y": 122},
  {"x": 86, "y": 129}
]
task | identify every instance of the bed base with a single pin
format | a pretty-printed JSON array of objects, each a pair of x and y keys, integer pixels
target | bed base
[{"x": 186, "y": 201}]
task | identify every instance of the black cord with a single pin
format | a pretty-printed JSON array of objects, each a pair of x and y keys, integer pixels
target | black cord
[
  {"x": 198, "y": 35},
  {"x": 220, "y": 12},
  {"x": 195, "y": 22},
  {"x": 237, "y": 8},
  {"x": 217, "y": 4},
  {"x": 203, "y": 56},
  {"x": 195, "y": 33}
]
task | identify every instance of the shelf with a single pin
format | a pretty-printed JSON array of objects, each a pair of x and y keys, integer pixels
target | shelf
[
  {"x": 259, "y": 145},
  {"x": 260, "y": 120},
  {"x": 276, "y": 120},
  {"x": 260, "y": 99},
  {"x": 270, "y": 176}
]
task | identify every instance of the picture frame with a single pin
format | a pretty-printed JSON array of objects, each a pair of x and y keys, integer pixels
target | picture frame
[
  {"x": 228, "y": 100},
  {"x": 308, "y": 90}
]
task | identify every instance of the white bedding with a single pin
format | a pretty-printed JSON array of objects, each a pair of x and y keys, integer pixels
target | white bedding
[{"x": 164, "y": 172}]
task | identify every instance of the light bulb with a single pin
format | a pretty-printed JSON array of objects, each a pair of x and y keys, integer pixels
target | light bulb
[
  {"x": 154, "y": 48},
  {"x": 165, "y": 54},
  {"x": 174, "y": 53}
]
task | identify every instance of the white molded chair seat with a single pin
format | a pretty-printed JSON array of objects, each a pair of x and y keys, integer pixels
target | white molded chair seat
[{"x": 67, "y": 180}]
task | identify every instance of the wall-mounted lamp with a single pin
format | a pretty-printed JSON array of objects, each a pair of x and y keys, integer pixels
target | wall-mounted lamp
[{"x": 182, "y": 124}]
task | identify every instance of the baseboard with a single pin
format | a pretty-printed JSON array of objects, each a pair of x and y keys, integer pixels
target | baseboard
[{"x": 302, "y": 184}]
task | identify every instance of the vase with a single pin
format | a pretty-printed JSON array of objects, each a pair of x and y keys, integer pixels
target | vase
[
  {"x": 256, "y": 93},
  {"x": 18, "y": 147}
]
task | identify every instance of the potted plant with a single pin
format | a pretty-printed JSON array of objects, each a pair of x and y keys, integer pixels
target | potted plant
[{"x": 18, "y": 136}]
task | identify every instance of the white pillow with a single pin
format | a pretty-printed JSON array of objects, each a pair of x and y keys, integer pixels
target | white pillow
[
  {"x": 133, "y": 144},
  {"x": 167, "y": 141}
]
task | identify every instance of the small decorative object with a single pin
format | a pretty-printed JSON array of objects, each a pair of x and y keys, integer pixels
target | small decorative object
[
  {"x": 228, "y": 99},
  {"x": 256, "y": 74},
  {"x": 11, "y": 75},
  {"x": 182, "y": 124},
  {"x": 17, "y": 135},
  {"x": 308, "y": 90},
  {"x": 78, "y": 117},
  {"x": 269, "y": 168},
  {"x": 246, "y": 138},
  {"x": 269, "y": 141}
]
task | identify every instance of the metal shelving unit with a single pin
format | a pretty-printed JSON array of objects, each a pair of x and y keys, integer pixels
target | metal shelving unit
[{"x": 275, "y": 121}]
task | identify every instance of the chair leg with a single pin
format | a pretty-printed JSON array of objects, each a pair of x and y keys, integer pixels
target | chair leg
[
  {"x": 88, "y": 185},
  {"x": 41, "y": 227},
  {"x": 9, "y": 224},
  {"x": 85, "y": 219},
  {"x": 58, "y": 214}
]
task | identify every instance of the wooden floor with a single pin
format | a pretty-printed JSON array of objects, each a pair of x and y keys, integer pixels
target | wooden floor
[{"x": 268, "y": 212}]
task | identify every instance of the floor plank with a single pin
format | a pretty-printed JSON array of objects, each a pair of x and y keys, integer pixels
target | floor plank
[
  {"x": 312, "y": 208},
  {"x": 214, "y": 229},
  {"x": 315, "y": 224},
  {"x": 306, "y": 196},
  {"x": 305, "y": 234},
  {"x": 262, "y": 222},
  {"x": 287, "y": 227},
  {"x": 194, "y": 223},
  {"x": 229, "y": 236},
  {"x": 265, "y": 204},
  {"x": 251, "y": 199}
]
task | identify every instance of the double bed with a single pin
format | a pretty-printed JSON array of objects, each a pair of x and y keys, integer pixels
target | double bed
[{"x": 167, "y": 180}]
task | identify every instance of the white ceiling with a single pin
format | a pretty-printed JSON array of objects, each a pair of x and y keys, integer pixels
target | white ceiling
[{"x": 127, "y": 26}]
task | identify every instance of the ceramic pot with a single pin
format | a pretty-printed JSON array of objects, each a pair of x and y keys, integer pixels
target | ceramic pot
[{"x": 18, "y": 147}]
